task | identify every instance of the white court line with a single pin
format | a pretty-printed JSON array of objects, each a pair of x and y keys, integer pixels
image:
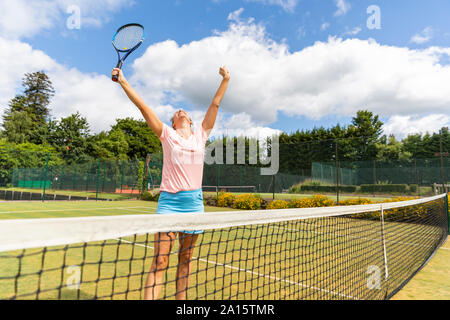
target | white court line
[{"x": 252, "y": 272}]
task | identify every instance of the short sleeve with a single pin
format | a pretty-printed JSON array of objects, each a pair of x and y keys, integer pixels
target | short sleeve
[
  {"x": 202, "y": 134},
  {"x": 165, "y": 132}
]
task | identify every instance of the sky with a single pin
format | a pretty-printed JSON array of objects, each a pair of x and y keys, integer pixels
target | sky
[{"x": 295, "y": 64}]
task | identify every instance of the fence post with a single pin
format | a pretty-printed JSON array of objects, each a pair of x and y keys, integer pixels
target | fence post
[
  {"x": 448, "y": 213},
  {"x": 45, "y": 177},
  {"x": 74, "y": 177},
  {"x": 98, "y": 178},
  {"x": 273, "y": 187},
  {"x": 337, "y": 172},
  {"x": 442, "y": 161},
  {"x": 121, "y": 179}
]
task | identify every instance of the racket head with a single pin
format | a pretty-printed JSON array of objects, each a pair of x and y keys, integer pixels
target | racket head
[{"x": 128, "y": 37}]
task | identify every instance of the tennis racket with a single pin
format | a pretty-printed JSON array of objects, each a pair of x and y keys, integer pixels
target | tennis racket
[{"x": 126, "y": 40}]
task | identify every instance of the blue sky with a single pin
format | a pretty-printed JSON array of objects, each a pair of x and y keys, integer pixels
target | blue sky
[{"x": 295, "y": 64}]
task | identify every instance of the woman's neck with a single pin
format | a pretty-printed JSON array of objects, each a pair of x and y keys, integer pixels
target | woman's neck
[{"x": 184, "y": 132}]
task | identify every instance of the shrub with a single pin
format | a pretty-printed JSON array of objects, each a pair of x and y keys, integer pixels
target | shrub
[
  {"x": 225, "y": 200},
  {"x": 247, "y": 202},
  {"x": 386, "y": 188},
  {"x": 278, "y": 204},
  {"x": 348, "y": 189},
  {"x": 210, "y": 200},
  {"x": 413, "y": 188},
  {"x": 355, "y": 202},
  {"x": 312, "y": 202},
  {"x": 150, "y": 196}
]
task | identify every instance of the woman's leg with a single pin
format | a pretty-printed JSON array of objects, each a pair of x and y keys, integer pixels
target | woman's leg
[
  {"x": 187, "y": 244},
  {"x": 163, "y": 245}
]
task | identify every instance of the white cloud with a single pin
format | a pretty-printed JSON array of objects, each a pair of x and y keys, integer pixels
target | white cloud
[
  {"x": 333, "y": 77},
  {"x": 401, "y": 126},
  {"x": 354, "y": 31},
  {"x": 423, "y": 37},
  {"x": 342, "y": 7},
  {"x": 287, "y": 5},
  {"x": 324, "y": 26},
  {"x": 26, "y": 18},
  {"x": 235, "y": 15}
]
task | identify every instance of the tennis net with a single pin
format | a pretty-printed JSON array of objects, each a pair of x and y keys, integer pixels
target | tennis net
[{"x": 351, "y": 252}]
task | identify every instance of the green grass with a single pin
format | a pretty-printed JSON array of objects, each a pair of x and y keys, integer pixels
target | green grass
[
  {"x": 246, "y": 263},
  {"x": 111, "y": 196},
  {"x": 433, "y": 281}
]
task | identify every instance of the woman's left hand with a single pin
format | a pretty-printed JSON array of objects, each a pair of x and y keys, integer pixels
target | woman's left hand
[{"x": 225, "y": 73}]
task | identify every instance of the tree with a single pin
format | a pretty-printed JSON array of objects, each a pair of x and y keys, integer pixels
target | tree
[
  {"x": 70, "y": 138},
  {"x": 38, "y": 92},
  {"x": 141, "y": 140},
  {"x": 366, "y": 128},
  {"x": 109, "y": 145},
  {"x": 26, "y": 115},
  {"x": 391, "y": 149},
  {"x": 18, "y": 128}
]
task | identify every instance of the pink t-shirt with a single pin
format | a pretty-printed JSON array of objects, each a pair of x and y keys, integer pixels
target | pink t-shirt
[{"x": 183, "y": 160}]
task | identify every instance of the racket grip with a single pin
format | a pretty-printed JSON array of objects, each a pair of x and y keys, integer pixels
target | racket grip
[{"x": 115, "y": 78}]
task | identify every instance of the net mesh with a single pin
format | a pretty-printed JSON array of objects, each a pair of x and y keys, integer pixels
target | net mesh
[
  {"x": 128, "y": 37},
  {"x": 359, "y": 252}
]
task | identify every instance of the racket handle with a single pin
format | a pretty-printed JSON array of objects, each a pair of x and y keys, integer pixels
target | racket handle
[{"x": 115, "y": 78}]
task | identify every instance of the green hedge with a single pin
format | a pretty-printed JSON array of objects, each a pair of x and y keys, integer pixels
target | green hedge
[
  {"x": 370, "y": 188},
  {"x": 349, "y": 189}
]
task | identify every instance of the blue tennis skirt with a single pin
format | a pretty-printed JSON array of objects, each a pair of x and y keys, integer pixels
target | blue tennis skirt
[{"x": 181, "y": 202}]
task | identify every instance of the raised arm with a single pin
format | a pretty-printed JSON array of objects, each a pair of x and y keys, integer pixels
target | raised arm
[
  {"x": 150, "y": 116},
  {"x": 211, "y": 114}
]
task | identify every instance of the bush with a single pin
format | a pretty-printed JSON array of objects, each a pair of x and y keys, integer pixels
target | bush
[
  {"x": 384, "y": 188},
  {"x": 312, "y": 202},
  {"x": 225, "y": 200},
  {"x": 247, "y": 202},
  {"x": 413, "y": 188},
  {"x": 210, "y": 201},
  {"x": 355, "y": 202},
  {"x": 278, "y": 204},
  {"x": 150, "y": 196},
  {"x": 348, "y": 189}
]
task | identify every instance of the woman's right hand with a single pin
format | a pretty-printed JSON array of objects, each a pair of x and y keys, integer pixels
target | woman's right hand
[{"x": 117, "y": 71}]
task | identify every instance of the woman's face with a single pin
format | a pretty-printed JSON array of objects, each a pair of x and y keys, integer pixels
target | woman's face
[{"x": 179, "y": 118}]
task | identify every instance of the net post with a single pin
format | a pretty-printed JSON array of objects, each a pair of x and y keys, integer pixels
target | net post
[
  {"x": 386, "y": 270},
  {"x": 45, "y": 176},
  {"x": 448, "y": 213}
]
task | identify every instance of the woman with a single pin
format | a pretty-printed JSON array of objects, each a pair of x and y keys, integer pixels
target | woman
[{"x": 181, "y": 185}]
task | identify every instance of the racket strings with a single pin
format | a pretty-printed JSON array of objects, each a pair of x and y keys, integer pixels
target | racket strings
[{"x": 128, "y": 37}]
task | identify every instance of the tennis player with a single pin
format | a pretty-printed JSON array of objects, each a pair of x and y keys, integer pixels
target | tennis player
[{"x": 181, "y": 185}]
